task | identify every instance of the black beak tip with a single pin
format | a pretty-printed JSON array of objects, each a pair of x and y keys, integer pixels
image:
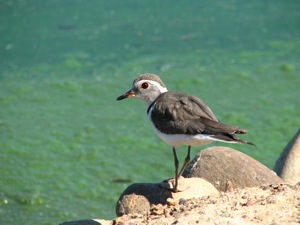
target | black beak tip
[
  {"x": 123, "y": 96},
  {"x": 128, "y": 94},
  {"x": 120, "y": 98}
]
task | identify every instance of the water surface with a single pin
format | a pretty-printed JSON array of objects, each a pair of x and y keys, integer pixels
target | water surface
[{"x": 68, "y": 148}]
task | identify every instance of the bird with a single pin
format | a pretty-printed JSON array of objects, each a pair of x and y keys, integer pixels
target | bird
[{"x": 180, "y": 119}]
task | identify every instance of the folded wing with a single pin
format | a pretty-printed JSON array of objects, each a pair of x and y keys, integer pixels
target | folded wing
[{"x": 178, "y": 113}]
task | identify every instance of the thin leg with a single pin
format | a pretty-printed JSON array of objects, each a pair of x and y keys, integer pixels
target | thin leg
[
  {"x": 176, "y": 162},
  {"x": 186, "y": 161},
  {"x": 177, "y": 176}
]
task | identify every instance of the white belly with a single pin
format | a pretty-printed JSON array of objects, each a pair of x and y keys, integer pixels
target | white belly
[{"x": 183, "y": 139}]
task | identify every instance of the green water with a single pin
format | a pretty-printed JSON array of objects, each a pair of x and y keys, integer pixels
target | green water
[{"x": 68, "y": 148}]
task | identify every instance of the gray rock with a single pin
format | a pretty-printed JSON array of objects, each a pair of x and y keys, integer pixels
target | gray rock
[
  {"x": 138, "y": 198},
  {"x": 288, "y": 164},
  {"x": 228, "y": 169}
]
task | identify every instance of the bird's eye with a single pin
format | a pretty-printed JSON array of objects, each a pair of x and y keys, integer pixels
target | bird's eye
[{"x": 145, "y": 85}]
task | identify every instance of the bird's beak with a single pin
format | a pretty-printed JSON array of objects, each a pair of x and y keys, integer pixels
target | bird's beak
[{"x": 127, "y": 94}]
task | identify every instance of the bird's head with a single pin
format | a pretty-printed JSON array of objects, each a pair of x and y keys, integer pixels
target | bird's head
[{"x": 146, "y": 87}]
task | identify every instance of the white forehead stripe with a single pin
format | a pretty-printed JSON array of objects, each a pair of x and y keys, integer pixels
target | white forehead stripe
[{"x": 154, "y": 83}]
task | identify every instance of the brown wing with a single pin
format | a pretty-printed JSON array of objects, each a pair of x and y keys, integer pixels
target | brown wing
[{"x": 178, "y": 113}]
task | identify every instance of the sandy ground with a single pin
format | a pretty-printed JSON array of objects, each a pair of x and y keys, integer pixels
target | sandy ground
[{"x": 270, "y": 204}]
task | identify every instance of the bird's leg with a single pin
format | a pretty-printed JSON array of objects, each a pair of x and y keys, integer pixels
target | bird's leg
[
  {"x": 177, "y": 176},
  {"x": 186, "y": 161},
  {"x": 176, "y": 162}
]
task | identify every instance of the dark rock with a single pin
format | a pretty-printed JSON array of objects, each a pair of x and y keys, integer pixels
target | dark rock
[
  {"x": 228, "y": 169},
  {"x": 82, "y": 222},
  {"x": 288, "y": 164},
  {"x": 137, "y": 198}
]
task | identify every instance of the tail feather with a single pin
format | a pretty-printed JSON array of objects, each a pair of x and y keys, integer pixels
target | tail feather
[
  {"x": 224, "y": 132},
  {"x": 226, "y": 137},
  {"x": 240, "y": 130},
  {"x": 243, "y": 142}
]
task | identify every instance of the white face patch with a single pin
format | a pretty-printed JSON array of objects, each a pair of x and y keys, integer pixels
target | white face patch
[{"x": 153, "y": 83}]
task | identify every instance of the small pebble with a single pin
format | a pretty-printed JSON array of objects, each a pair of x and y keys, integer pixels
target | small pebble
[
  {"x": 249, "y": 203},
  {"x": 271, "y": 200},
  {"x": 171, "y": 202},
  {"x": 183, "y": 201}
]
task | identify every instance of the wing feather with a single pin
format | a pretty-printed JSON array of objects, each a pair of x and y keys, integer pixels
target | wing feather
[{"x": 179, "y": 113}]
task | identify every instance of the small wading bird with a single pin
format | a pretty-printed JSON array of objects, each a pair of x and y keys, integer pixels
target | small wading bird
[{"x": 180, "y": 119}]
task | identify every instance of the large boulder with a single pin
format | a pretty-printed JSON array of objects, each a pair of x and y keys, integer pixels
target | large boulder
[
  {"x": 288, "y": 164},
  {"x": 138, "y": 198},
  {"x": 228, "y": 169}
]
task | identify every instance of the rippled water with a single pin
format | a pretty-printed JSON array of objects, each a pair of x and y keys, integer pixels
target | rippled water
[{"x": 68, "y": 148}]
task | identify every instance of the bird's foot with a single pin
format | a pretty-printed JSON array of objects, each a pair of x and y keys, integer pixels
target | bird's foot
[
  {"x": 174, "y": 190},
  {"x": 172, "y": 179},
  {"x": 171, "y": 182}
]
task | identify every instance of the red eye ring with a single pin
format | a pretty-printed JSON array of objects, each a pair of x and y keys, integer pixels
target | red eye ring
[{"x": 145, "y": 85}]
